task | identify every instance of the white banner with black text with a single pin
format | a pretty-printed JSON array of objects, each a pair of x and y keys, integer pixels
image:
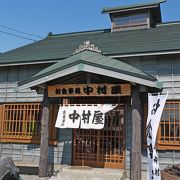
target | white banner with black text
[
  {"x": 155, "y": 108},
  {"x": 85, "y": 116}
]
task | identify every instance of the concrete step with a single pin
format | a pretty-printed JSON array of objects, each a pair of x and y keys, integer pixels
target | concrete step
[{"x": 88, "y": 173}]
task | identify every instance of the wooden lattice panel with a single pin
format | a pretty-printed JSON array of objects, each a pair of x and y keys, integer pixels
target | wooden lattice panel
[
  {"x": 1, "y": 117},
  {"x": 102, "y": 148},
  {"x": 168, "y": 133},
  {"x": 20, "y": 122}
]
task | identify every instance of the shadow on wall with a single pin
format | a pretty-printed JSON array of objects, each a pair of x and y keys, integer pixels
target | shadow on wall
[{"x": 64, "y": 155}]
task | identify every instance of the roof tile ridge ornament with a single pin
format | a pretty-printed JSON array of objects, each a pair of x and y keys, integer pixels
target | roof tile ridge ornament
[{"x": 87, "y": 45}]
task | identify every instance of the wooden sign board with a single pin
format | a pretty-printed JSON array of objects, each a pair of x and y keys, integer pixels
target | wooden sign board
[{"x": 74, "y": 90}]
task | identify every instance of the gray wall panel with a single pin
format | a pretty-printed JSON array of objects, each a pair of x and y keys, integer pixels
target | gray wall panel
[
  {"x": 166, "y": 68},
  {"x": 9, "y": 76},
  {"x": 30, "y": 153}
]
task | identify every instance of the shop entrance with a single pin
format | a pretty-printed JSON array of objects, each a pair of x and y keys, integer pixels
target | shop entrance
[{"x": 105, "y": 147}]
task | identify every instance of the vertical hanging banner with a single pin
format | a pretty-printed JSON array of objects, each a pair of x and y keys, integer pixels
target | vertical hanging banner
[
  {"x": 155, "y": 108},
  {"x": 90, "y": 116}
]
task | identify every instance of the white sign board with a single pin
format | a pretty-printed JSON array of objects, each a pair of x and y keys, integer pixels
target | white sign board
[{"x": 91, "y": 116}]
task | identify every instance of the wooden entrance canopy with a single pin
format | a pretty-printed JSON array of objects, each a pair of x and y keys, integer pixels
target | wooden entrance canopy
[{"x": 92, "y": 62}]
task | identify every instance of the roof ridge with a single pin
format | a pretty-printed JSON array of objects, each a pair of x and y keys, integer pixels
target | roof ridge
[
  {"x": 80, "y": 32},
  {"x": 168, "y": 23},
  {"x": 131, "y": 6}
]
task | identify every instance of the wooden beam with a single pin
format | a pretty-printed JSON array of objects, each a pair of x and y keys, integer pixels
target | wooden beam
[
  {"x": 77, "y": 90},
  {"x": 43, "y": 162},
  {"x": 136, "y": 135},
  {"x": 88, "y": 80},
  {"x": 66, "y": 101}
]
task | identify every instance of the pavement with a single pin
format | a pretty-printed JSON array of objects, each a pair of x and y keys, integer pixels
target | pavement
[{"x": 83, "y": 173}]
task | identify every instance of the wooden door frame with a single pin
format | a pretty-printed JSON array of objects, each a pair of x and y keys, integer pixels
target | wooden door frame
[{"x": 98, "y": 163}]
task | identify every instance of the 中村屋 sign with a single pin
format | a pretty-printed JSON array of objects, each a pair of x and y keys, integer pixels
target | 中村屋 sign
[
  {"x": 91, "y": 116},
  {"x": 89, "y": 90}
]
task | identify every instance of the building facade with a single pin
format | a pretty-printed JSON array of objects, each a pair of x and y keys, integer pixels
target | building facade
[{"x": 139, "y": 55}]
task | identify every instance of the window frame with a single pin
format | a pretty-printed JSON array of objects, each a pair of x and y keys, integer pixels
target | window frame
[
  {"x": 130, "y": 19},
  {"x": 168, "y": 137},
  {"x": 160, "y": 144},
  {"x": 21, "y": 123}
]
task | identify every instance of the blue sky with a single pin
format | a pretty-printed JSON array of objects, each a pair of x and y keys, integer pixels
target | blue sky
[{"x": 61, "y": 16}]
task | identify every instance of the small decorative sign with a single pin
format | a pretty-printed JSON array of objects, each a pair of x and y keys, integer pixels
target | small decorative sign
[
  {"x": 71, "y": 90},
  {"x": 87, "y": 45}
]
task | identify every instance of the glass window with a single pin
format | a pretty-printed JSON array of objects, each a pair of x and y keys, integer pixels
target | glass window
[
  {"x": 169, "y": 125},
  {"x": 131, "y": 20},
  {"x": 168, "y": 136},
  {"x": 122, "y": 21},
  {"x": 138, "y": 19},
  {"x": 22, "y": 123}
]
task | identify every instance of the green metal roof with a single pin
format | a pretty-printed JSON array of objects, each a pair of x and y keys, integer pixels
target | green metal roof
[
  {"x": 96, "y": 59},
  {"x": 92, "y": 59},
  {"x": 133, "y": 6},
  {"x": 164, "y": 37}
]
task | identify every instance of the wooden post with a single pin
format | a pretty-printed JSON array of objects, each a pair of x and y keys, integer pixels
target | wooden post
[
  {"x": 43, "y": 162},
  {"x": 66, "y": 101},
  {"x": 136, "y": 135}
]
